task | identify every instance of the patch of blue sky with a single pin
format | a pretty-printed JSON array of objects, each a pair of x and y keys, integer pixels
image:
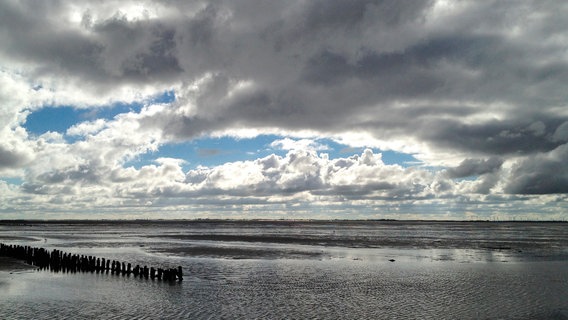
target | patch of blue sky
[
  {"x": 14, "y": 181},
  {"x": 165, "y": 97},
  {"x": 212, "y": 152},
  {"x": 60, "y": 118},
  {"x": 54, "y": 119},
  {"x": 402, "y": 159}
]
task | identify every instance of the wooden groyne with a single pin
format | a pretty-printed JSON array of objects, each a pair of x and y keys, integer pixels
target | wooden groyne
[{"x": 59, "y": 261}]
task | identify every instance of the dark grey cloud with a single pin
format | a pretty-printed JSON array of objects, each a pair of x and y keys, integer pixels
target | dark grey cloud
[
  {"x": 316, "y": 22},
  {"x": 340, "y": 14},
  {"x": 318, "y": 59},
  {"x": 102, "y": 54},
  {"x": 10, "y": 158},
  {"x": 476, "y": 52},
  {"x": 64, "y": 180},
  {"x": 475, "y": 167},
  {"x": 52, "y": 49},
  {"x": 157, "y": 59},
  {"x": 540, "y": 174},
  {"x": 508, "y": 137}
]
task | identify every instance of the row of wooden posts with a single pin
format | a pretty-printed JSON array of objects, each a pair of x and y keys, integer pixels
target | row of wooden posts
[{"x": 57, "y": 260}]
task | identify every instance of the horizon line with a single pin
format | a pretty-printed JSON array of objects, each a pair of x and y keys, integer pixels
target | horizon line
[{"x": 71, "y": 220}]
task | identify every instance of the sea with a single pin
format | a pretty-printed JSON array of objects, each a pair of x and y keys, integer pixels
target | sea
[{"x": 296, "y": 270}]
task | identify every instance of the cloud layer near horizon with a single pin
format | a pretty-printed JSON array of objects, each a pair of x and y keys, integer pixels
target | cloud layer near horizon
[{"x": 475, "y": 90}]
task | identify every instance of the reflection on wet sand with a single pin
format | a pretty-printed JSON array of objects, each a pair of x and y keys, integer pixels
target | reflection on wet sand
[{"x": 281, "y": 270}]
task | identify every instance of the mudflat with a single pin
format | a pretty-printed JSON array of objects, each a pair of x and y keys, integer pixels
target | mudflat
[
  {"x": 13, "y": 265},
  {"x": 283, "y": 270}
]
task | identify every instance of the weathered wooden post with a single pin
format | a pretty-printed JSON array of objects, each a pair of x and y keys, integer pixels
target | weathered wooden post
[
  {"x": 57, "y": 260},
  {"x": 92, "y": 262},
  {"x": 180, "y": 274},
  {"x": 166, "y": 275},
  {"x": 145, "y": 272}
]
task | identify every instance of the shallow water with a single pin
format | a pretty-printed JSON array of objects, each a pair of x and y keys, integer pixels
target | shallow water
[{"x": 283, "y": 270}]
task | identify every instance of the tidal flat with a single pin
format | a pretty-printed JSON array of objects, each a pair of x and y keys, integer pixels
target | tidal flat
[{"x": 295, "y": 270}]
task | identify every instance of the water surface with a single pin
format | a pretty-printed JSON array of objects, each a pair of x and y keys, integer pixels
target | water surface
[{"x": 299, "y": 270}]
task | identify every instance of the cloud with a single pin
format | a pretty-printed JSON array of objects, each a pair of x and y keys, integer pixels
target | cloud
[
  {"x": 495, "y": 137},
  {"x": 86, "y": 128},
  {"x": 399, "y": 54},
  {"x": 475, "y": 88},
  {"x": 475, "y": 167},
  {"x": 561, "y": 133},
  {"x": 300, "y": 171},
  {"x": 15, "y": 150},
  {"x": 540, "y": 174},
  {"x": 302, "y": 144}
]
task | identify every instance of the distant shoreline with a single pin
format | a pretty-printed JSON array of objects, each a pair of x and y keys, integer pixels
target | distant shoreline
[{"x": 278, "y": 221}]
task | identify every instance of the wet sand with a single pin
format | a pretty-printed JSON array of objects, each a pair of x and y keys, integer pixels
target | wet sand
[
  {"x": 9, "y": 269},
  {"x": 13, "y": 265},
  {"x": 283, "y": 289},
  {"x": 297, "y": 270}
]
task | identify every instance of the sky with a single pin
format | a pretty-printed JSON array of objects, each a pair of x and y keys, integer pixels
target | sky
[{"x": 308, "y": 109}]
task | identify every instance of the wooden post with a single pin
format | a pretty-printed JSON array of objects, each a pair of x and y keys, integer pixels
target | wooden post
[{"x": 180, "y": 274}]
